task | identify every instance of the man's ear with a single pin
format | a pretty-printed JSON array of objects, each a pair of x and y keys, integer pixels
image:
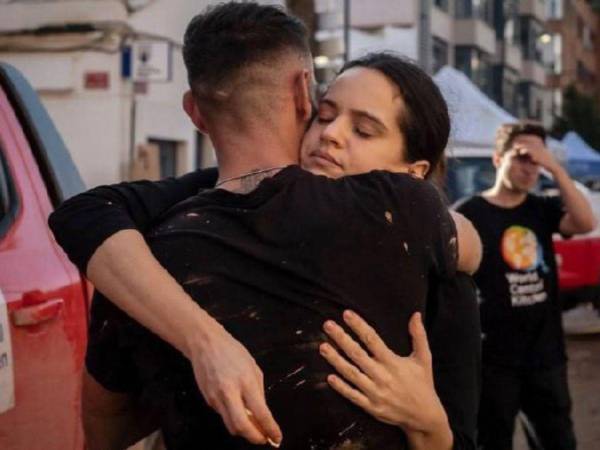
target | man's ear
[
  {"x": 302, "y": 97},
  {"x": 191, "y": 109},
  {"x": 497, "y": 159},
  {"x": 419, "y": 168}
]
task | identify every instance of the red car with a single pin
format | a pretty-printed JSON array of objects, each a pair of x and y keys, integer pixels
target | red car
[{"x": 43, "y": 299}]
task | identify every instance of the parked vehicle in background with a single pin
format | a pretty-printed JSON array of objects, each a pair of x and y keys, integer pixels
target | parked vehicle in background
[
  {"x": 43, "y": 298},
  {"x": 472, "y": 171}
]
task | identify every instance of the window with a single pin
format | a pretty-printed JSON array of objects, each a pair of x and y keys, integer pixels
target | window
[
  {"x": 475, "y": 9},
  {"x": 554, "y": 9},
  {"x": 531, "y": 46},
  {"x": 557, "y": 102},
  {"x": 8, "y": 197},
  {"x": 511, "y": 23},
  {"x": 462, "y": 58},
  {"x": 477, "y": 65},
  {"x": 167, "y": 151},
  {"x": 442, "y": 4},
  {"x": 556, "y": 65},
  {"x": 533, "y": 98},
  {"x": 464, "y": 9},
  {"x": 587, "y": 38},
  {"x": 440, "y": 53},
  {"x": 510, "y": 95}
]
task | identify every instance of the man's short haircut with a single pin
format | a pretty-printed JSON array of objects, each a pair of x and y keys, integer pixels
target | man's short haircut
[
  {"x": 228, "y": 38},
  {"x": 507, "y": 133}
]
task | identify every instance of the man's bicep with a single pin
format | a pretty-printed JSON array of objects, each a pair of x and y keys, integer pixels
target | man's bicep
[
  {"x": 566, "y": 226},
  {"x": 82, "y": 223}
]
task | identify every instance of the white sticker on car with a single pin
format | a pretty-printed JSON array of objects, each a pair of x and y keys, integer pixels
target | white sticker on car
[{"x": 7, "y": 380}]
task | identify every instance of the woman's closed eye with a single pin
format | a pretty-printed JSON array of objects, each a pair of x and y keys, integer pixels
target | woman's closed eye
[
  {"x": 363, "y": 132},
  {"x": 325, "y": 118},
  {"x": 364, "y": 128}
]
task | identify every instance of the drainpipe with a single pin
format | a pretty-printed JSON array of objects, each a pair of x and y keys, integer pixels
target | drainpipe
[{"x": 424, "y": 34}]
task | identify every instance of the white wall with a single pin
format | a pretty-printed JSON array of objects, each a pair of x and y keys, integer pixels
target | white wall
[
  {"x": 91, "y": 122},
  {"x": 159, "y": 112},
  {"x": 95, "y": 124}
]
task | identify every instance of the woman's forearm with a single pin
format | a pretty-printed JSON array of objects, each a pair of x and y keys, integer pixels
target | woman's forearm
[{"x": 124, "y": 269}]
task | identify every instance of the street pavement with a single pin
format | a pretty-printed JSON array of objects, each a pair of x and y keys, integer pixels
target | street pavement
[{"x": 584, "y": 379}]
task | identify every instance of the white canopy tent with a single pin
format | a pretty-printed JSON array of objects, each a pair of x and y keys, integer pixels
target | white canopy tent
[{"x": 474, "y": 116}]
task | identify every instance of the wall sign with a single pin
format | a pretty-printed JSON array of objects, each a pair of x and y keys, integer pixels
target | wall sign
[
  {"x": 97, "y": 80},
  {"x": 151, "y": 61}
]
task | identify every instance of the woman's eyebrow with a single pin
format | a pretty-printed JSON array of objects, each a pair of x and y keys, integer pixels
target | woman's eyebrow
[{"x": 358, "y": 113}]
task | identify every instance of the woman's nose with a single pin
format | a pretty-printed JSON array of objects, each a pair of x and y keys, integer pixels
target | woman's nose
[{"x": 333, "y": 133}]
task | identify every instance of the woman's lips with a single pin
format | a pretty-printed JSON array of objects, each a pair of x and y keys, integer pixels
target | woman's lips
[{"x": 325, "y": 158}]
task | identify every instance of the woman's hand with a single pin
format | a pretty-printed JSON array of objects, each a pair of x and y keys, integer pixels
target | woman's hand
[{"x": 395, "y": 390}]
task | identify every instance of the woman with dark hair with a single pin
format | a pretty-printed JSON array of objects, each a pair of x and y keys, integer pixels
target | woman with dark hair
[
  {"x": 382, "y": 113},
  {"x": 347, "y": 137}
]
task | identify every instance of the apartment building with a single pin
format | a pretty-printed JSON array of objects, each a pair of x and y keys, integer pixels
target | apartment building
[
  {"x": 576, "y": 25},
  {"x": 498, "y": 44},
  {"x": 503, "y": 46}
]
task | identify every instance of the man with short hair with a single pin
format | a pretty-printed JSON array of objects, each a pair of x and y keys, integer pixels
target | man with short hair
[
  {"x": 250, "y": 73},
  {"x": 524, "y": 361}
]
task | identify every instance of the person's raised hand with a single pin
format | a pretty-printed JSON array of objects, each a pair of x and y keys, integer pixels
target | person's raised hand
[
  {"x": 395, "y": 390},
  {"x": 232, "y": 384},
  {"x": 534, "y": 148}
]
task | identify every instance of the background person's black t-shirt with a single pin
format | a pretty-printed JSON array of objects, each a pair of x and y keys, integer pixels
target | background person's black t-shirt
[
  {"x": 517, "y": 281},
  {"x": 271, "y": 266}
]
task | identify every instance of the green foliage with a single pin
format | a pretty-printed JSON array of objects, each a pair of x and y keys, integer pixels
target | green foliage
[{"x": 580, "y": 113}]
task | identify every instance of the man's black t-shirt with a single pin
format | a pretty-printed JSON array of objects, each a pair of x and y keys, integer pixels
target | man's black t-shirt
[
  {"x": 517, "y": 281},
  {"x": 271, "y": 266},
  {"x": 83, "y": 222}
]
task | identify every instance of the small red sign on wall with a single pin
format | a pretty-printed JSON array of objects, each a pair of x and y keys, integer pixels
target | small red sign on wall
[{"x": 97, "y": 80}]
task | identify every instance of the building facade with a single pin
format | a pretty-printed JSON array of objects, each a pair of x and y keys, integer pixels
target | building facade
[
  {"x": 503, "y": 46},
  {"x": 576, "y": 25},
  {"x": 111, "y": 74},
  {"x": 497, "y": 44}
]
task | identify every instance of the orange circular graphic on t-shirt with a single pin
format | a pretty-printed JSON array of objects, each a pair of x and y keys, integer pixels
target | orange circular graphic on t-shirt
[{"x": 519, "y": 248}]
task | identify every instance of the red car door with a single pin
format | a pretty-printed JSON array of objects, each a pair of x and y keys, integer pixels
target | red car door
[{"x": 43, "y": 303}]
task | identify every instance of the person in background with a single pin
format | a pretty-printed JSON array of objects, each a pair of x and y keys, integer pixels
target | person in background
[{"x": 524, "y": 361}]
